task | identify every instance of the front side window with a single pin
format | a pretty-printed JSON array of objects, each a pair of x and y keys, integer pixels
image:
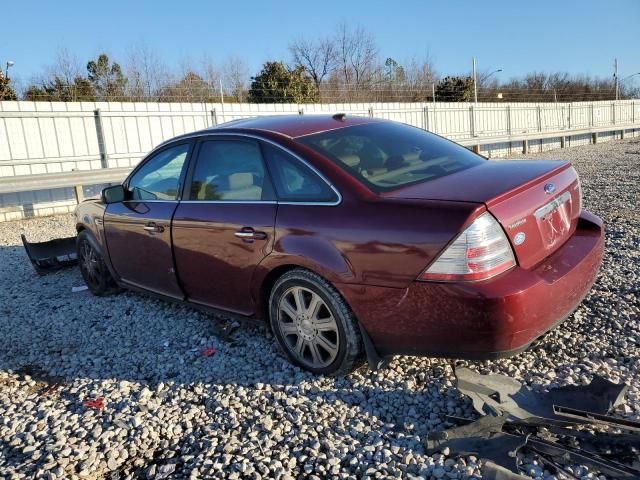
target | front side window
[
  {"x": 230, "y": 170},
  {"x": 293, "y": 181},
  {"x": 387, "y": 156},
  {"x": 159, "y": 177}
]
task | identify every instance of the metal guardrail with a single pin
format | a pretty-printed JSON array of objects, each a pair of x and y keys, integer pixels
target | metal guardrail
[
  {"x": 79, "y": 178},
  {"x": 75, "y": 178},
  {"x": 561, "y": 134}
]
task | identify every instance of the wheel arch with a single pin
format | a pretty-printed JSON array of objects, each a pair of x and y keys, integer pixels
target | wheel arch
[
  {"x": 91, "y": 237},
  {"x": 270, "y": 277},
  {"x": 266, "y": 281},
  {"x": 94, "y": 238}
]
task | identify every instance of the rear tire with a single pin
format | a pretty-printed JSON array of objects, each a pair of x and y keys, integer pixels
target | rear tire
[
  {"x": 94, "y": 271},
  {"x": 313, "y": 324}
]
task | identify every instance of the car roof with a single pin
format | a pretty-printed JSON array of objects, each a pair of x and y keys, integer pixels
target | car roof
[{"x": 295, "y": 125}]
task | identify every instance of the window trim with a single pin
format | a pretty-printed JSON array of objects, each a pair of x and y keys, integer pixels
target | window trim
[
  {"x": 161, "y": 148},
  {"x": 199, "y": 138},
  {"x": 186, "y": 188},
  {"x": 296, "y": 162},
  {"x": 372, "y": 187}
]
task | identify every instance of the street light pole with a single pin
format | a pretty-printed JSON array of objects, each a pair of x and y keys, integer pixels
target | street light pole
[
  {"x": 618, "y": 82},
  {"x": 475, "y": 82},
  {"x": 629, "y": 76},
  {"x": 6, "y": 70},
  {"x": 615, "y": 75},
  {"x": 487, "y": 77}
]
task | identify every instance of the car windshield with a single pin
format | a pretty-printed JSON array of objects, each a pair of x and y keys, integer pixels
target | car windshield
[{"x": 386, "y": 156}]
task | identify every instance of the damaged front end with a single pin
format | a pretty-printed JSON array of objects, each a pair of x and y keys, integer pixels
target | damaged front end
[
  {"x": 51, "y": 255},
  {"x": 566, "y": 425}
]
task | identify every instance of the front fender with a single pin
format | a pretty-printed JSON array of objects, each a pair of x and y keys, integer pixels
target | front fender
[
  {"x": 89, "y": 218},
  {"x": 91, "y": 237}
]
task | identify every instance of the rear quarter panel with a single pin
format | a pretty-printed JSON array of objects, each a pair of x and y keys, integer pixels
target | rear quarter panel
[{"x": 373, "y": 242}]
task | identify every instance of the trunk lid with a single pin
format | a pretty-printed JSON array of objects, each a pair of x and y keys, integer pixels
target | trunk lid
[{"x": 537, "y": 202}]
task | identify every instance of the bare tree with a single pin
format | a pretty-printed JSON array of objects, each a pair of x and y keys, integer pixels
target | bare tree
[
  {"x": 190, "y": 87},
  {"x": 67, "y": 67},
  {"x": 146, "y": 73},
  {"x": 420, "y": 76},
  {"x": 63, "y": 80},
  {"x": 561, "y": 87},
  {"x": 318, "y": 58},
  {"x": 357, "y": 57},
  {"x": 210, "y": 72},
  {"x": 235, "y": 73}
]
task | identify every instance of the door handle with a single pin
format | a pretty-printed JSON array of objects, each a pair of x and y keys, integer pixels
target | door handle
[
  {"x": 248, "y": 233},
  {"x": 153, "y": 227}
]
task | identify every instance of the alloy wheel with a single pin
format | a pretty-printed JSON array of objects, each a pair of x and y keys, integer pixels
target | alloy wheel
[
  {"x": 308, "y": 327},
  {"x": 90, "y": 264}
]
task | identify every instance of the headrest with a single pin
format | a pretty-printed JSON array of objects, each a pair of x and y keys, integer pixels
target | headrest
[
  {"x": 394, "y": 162},
  {"x": 351, "y": 160},
  {"x": 240, "y": 180}
]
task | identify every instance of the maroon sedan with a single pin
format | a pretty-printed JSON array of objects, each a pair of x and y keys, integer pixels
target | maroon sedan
[{"x": 353, "y": 237}]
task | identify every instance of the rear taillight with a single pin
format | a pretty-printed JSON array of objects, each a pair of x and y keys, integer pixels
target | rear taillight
[{"x": 480, "y": 252}]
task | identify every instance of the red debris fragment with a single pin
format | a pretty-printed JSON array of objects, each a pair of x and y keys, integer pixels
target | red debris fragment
[
  {"x": 97, "y": 404},
  {"x": 208, "y": 352}
]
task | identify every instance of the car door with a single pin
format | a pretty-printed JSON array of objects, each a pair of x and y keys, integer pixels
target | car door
[
  {"x": 138, "y": 230},
  {"x": 224, "y": 227}
]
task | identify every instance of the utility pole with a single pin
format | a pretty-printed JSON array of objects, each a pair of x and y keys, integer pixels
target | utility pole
[
  {"x": 615, "y": 76},
  {"x": 433, "y": 93},
  {"x": 475, "y": 82},
  {"x": 6, "y": 70},
  {"x": 222, "y": 102}
]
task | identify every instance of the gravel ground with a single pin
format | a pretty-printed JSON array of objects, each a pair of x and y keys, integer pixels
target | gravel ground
[{"x": 172, "y": 412}]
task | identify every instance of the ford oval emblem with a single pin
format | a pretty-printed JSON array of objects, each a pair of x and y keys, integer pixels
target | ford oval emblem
[
  {"x": 549, "y": 188},
  {"x": 519, "y": 238}
]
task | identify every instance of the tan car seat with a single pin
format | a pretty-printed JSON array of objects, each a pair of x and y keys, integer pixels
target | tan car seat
[{"x": 242, "y": 187}]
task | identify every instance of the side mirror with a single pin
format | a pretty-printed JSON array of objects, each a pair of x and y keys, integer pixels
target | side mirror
[{"x": 113, "y": 194}]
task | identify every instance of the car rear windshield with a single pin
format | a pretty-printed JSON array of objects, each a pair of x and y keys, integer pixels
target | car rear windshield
[{"x": 386, "y": 156}]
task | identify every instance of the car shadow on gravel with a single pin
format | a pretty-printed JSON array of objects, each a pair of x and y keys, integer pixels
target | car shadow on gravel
[
  {"x": 138, "y": 339},
  {"x": 134, "y": 339}
]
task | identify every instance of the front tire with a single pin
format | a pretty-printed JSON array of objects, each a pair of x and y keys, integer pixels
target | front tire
[
  {"x": 313, "y": 324},
  {"x": 94, "y": 271}
]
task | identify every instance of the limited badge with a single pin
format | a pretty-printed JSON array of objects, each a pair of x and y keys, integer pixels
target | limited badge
[{"x": 519, "y": 238}]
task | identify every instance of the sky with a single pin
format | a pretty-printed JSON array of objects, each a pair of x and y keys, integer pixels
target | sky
[{"x": 517, "y": 36}]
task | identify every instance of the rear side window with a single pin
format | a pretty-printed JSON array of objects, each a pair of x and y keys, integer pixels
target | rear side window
[
  {"x": 230, "y": 170},
  {"x": 294, "y": 181},
  {"x": 387, "y": 156}
]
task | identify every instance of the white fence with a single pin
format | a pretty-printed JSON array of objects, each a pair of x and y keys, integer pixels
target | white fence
[{"x": 41, "y": 138}]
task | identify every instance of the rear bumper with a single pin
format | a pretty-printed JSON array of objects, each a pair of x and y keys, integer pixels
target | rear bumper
[{"x": 484, "y": 320}]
